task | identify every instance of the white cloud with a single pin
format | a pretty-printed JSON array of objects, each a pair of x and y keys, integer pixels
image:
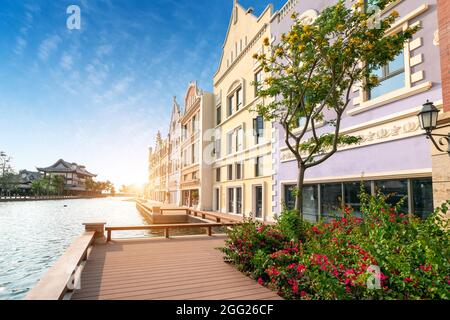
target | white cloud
[
  {"x": 66, "y": 62},
  {"x": 21, "y": 44},
  {"x": 48, "y": 46}
]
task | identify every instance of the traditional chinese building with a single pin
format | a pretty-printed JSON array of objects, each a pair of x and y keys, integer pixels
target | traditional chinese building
[
  {"x": 394, "y": 155},
  {"x": 242, "y": 168},
  {"x": 74, "y": 175}
]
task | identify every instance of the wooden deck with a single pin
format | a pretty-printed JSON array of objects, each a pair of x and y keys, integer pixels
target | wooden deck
[{"x": 187, "y": 268}]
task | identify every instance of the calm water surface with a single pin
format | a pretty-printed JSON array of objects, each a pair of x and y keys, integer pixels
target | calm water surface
[{"x": 33, "y": 235}]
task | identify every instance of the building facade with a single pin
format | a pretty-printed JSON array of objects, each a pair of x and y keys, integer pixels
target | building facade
[
  {"x": 242, "y": 166},
  {"x": 394, "y": 155},
  {"x": 158, "y": 189},
  {"x": 174, "y": 166},
  {"x": 196, "y": 121},
  {"x": 74, "y": 175}
]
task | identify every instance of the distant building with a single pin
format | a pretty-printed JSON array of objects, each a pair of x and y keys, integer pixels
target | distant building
[
  {"x": 75, "y": 175},
  {"x": 24, "y": 180},
  {"x": 158, "y": 189}
]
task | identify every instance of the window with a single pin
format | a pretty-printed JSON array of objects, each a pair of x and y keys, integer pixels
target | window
[
  {"x": 194, "y": 124},
  {"x": 231, "y": 200},
  {"x": 258, "y": 82},
  {"x": 217, "y": 200},
  {"x": 301, "y": 122},
  {"x": 370, "y": 5},
  {"x": 331, "y": 200},
  {"x": 239, "y": 140},
  {"x": 422, "y": 197},
  {"x": 217, "y": 148},
  {"x": 230, "y": 143},
  {"x": 311, "y": 202},
  {"x": 230, "y": 105},
  {"x": 258, "y": 202},
  {"x": 395, "y": 190},
  {"x": 289, "y": 196},
  {"x": 230, "y": 172},
  {"x": 352, "y": 191},
  {"x": 390, "y": 76},
  {"x": 258, "y": 127},
  {"x": 238, "y": 99},
  {"x": 259, "y": 167},
  {"x": 195, "y": 153},
  {"x": 239, "y": 171},
  {"x": 218, "y": 172},
  {"x": 218, "y": 115},
  {"x": 239, "y": 200}
]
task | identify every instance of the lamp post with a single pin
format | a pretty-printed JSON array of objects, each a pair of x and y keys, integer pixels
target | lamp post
[{"x": 428, "y": 119}]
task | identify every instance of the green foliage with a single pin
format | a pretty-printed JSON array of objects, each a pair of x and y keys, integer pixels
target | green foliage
[
  {"x": 338, "y": 259},
  {"x": 291, "y": 225}
]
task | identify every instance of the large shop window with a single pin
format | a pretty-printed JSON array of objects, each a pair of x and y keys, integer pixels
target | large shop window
[
  {"x": 390, "y": 76},
  {"x": 352, "y": 191},
  {"x": 396, "y": 191},
  {"x": 331, "y": 200},
  {"x": 311, "y": 203},
  {"x": 423, "y": 197}
]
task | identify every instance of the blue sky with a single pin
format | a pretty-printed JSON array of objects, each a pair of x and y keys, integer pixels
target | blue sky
[{"x": 97, "y": 96}]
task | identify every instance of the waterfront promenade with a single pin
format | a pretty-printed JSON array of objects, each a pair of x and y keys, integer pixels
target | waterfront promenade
[
  {"x": 168, "y": 268},
  {"x": 185, "y": 268}
]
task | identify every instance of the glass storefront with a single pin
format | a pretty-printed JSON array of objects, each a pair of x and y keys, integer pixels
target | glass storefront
[{"x": 416, "y": 194}]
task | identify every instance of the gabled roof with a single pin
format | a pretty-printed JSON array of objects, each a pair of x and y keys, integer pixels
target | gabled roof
[
  {"x": 62, "y": 166},
  {"x": 242, "y": 13}
]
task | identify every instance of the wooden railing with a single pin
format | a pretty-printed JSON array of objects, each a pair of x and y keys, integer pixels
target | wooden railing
[
  {"x": 59, "y": 279},
  {"x": 168, "y": 227}
]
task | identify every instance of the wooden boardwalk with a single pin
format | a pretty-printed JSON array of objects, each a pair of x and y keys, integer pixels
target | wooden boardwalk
[{"x": 187, "y": 268}]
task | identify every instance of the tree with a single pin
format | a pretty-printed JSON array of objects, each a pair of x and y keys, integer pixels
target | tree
[
  {"x": 58, "y": 183},
  {"x": 7, "y": 174},
  {"x": 312, "y": 71}
]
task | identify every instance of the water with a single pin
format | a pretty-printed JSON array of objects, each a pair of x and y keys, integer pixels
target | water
[{"x": 33, "y": 235}]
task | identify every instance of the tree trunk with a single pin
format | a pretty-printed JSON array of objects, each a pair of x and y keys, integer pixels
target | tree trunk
[{"x": 300, "y": 184}]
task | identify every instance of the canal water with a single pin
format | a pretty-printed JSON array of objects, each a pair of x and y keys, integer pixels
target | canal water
[{"x": 33, "y": 235}]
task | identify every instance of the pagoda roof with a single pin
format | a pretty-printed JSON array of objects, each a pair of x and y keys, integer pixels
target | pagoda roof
[{"x": 62, "y": 166}]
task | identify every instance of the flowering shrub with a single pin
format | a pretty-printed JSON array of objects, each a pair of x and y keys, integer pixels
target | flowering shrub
[{"x": 383, "y": 255}]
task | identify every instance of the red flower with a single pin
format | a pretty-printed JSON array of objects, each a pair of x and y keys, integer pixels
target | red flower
[
  {"x": 426, "y": 268},
  {"x": 301, "y": 268},
  {"x": 316, "y": 230},
  {"x": 405, "y": 222},
  {"x": 260, "y": 281},
  {"x": 303, "y": 294},
  {"x": 408, "y": 280}
]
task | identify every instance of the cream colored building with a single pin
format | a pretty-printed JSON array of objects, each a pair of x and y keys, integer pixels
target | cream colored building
[
  {"x": 242, "y": 168},
  {"x": 197, "y": 119}
]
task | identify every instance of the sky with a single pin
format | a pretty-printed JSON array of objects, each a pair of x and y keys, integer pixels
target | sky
[{"x": 97, "y": 96}]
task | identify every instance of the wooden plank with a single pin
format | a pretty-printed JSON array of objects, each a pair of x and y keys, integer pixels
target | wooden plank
[
  {"x": 189, "y": 268},
  {"x": 53, "y": 285}
]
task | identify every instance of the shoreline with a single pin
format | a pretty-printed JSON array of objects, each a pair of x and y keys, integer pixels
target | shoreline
[{"x": 51, "y": 198}]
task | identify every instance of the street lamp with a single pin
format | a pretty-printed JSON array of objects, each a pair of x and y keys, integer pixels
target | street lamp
[{"x": 428, "y": 119}]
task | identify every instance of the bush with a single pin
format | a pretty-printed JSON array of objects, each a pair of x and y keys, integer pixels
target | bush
[{"x": 402, "y": 256}]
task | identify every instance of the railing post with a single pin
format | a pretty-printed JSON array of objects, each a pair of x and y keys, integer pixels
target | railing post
[
  {"x": 109, "y": 238},
  {"x": 166, "y": 233},
  {"x": 98, "y": 228},
  {"x": 156, "y": 211},
  {"x": 209, "y": 231},
  {"x": 203, "y": 216}
]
